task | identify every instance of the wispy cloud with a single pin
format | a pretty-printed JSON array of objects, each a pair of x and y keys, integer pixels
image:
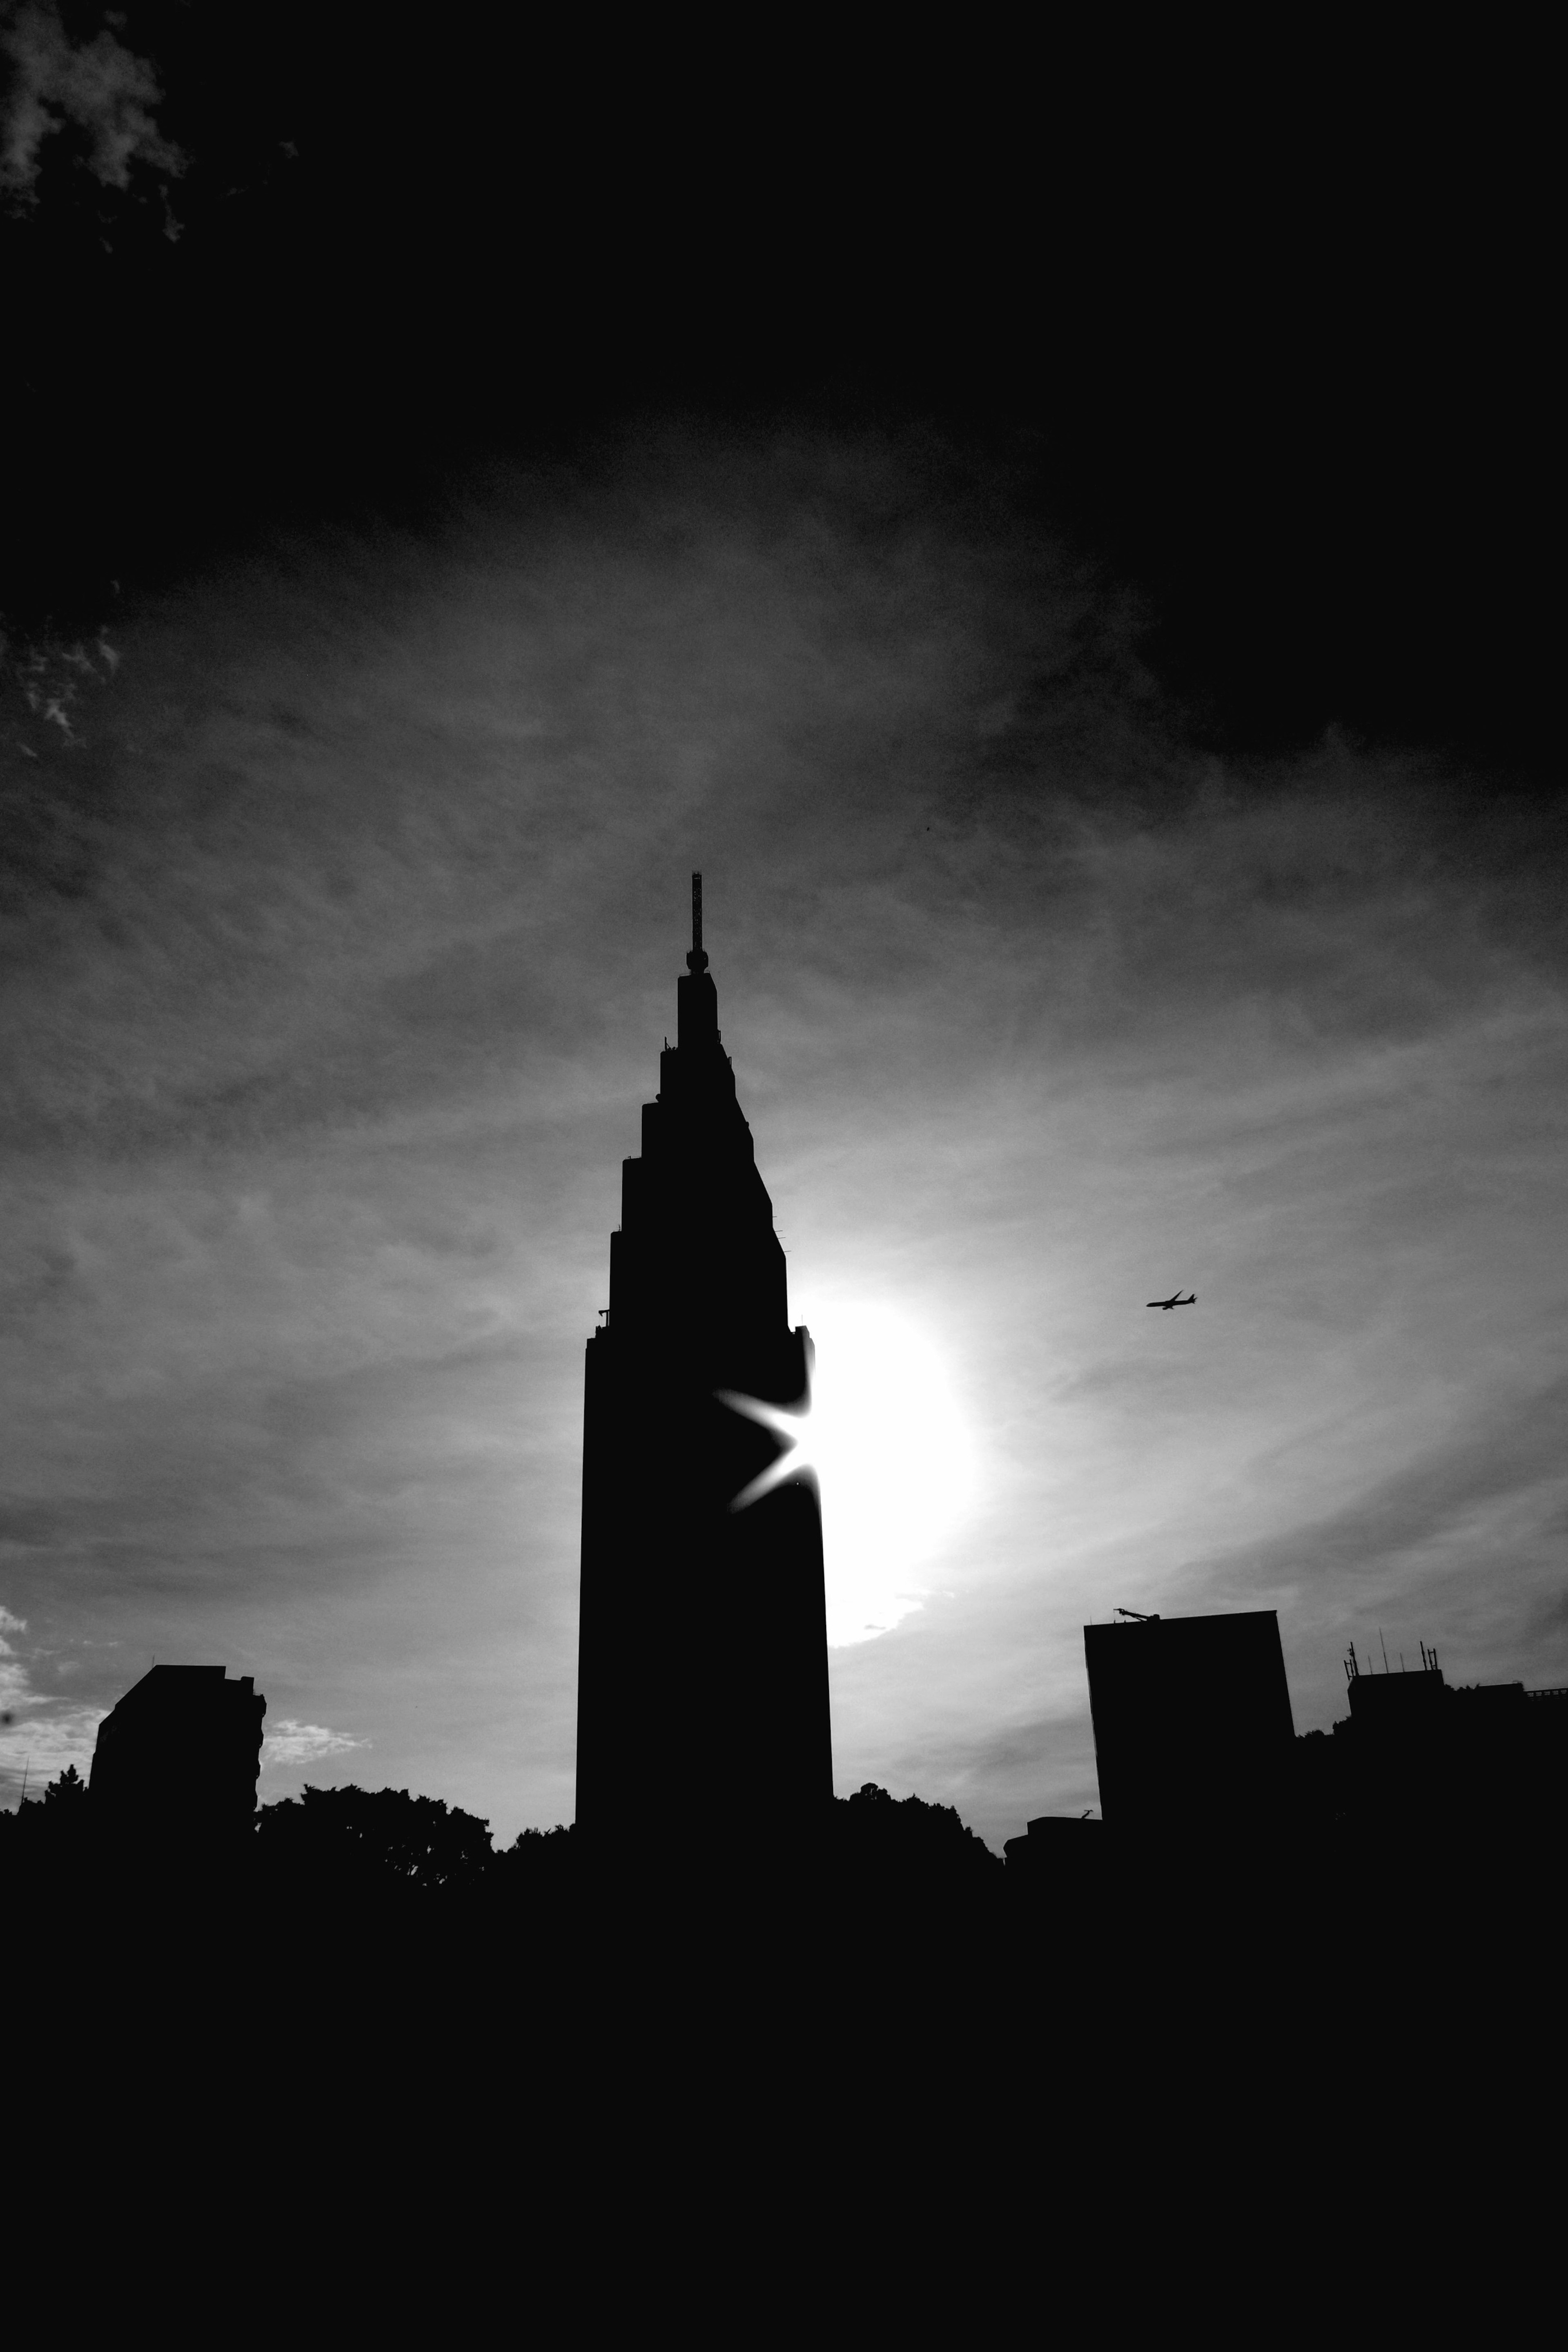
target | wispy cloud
[
  {"x": 329, "y": 1035},
  {"x": 39, "y": 1736},
  {"x": 304, "y": 1743},
  {"x": 42, "y": 683}
]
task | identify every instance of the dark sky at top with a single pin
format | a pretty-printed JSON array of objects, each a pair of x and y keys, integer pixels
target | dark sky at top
[
  {"x": 1264, "y": 331},
  {"x": 1062, "y": 535}
]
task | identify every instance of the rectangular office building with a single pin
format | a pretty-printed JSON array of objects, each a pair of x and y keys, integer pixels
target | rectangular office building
[{"x": 1193, "y": 1728}]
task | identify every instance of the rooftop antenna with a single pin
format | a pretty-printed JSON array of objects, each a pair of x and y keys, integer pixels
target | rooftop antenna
[
  {"x": 697, "y": 960},
  {"x": 1385, "y": 1665},
  {"x": 23, "y": 1798}
]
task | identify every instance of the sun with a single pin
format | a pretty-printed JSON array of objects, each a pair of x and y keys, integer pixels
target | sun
[{"x": 892, "y": 1452}]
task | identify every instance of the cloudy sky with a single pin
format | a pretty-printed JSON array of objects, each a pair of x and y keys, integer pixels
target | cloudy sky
[{"x": 349, "y": 840}]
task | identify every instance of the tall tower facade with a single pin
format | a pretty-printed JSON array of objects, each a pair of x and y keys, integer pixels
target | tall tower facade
[{"x": 702, "y": 1706}]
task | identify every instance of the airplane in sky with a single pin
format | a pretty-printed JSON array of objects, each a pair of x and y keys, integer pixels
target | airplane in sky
[{"x": 1176, "y": 1299}]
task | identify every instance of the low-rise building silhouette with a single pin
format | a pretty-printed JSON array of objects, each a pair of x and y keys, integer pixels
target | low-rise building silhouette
[
  {"x": 1416, "y": 1753},
  {"x": 1192, "y": 1735},
  {"x": 1062, "y": 1854},
  {"x": 179, "y": 1755}
]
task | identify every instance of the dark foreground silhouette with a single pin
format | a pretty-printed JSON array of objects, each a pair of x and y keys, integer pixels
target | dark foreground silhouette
[
  {"x": 356, "y": 2061},
  {"x": 413, "y": 1866},
  {"x": 423, "y": 1880},
  {"x": 344, "y": 2055}
]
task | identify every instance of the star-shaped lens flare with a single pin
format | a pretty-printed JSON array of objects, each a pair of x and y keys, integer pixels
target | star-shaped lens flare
[
  {"x": 789, "y": 1429},
  {"x": 887, "y": 1443}
]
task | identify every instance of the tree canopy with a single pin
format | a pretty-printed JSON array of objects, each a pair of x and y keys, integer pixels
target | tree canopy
[{"x": 383, "y": 1835}]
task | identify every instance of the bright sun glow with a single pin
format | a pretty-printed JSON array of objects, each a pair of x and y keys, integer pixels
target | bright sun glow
[{"x": 892, "y": 1456}]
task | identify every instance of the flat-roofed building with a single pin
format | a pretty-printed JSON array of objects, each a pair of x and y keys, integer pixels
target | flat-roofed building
[
  {"x": 1419, "y": 1753},
  {"x": 180, "y": 1754},
  {"x": 1193, "y": 1729}
]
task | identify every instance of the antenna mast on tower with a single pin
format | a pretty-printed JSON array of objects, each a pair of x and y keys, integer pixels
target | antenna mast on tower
[{"x": 697, "y": 960}]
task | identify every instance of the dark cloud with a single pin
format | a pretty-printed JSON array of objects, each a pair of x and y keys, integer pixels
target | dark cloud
[
  {"x": 1553, "y": 1617},
  {"x": 1364, "y": 1552},
  {"x": 382, "y": 760},
  {"x": 94, "y": 96}
]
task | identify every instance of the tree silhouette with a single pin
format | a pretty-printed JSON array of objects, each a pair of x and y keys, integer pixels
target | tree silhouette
[
  {"x": 537, "y": 1872},
  {"x": 885, "y": 1844},
  {"x": 360, "y": 1840},
  {"x": 68, "y": 1792}
]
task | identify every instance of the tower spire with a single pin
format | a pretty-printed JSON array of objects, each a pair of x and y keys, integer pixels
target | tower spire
[{"x": 697, "y": 960}]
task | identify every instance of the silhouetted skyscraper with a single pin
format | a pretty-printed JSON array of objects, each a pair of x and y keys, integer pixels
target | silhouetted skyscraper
[
  {"x": 701, "y": 1673},
  {"x": 1193, "y": 1728}
]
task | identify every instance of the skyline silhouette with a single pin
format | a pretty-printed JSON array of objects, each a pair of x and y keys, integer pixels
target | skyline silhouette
[
  {"x": 311, "y": 1735},
  {"x": 1199, "y": 1769},
  {"x": 1117, "y": 732},
  {"x": 1062, "y": 556}
]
